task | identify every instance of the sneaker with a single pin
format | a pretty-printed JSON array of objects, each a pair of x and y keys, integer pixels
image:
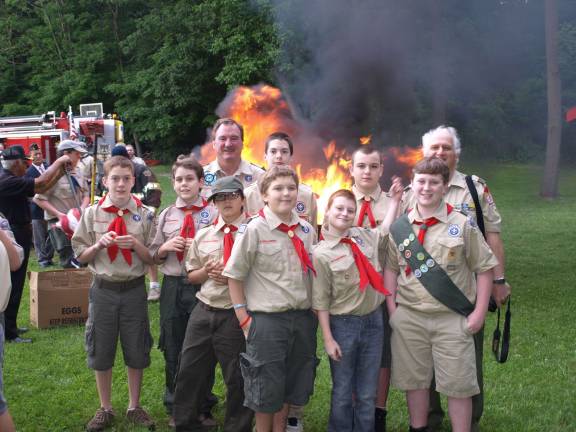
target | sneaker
[
  {"x": 101, "y": 420},
  {"x": 294, "y": 425},
  {"x": 172, "y": 423},
  {"x": 139, "y": 417},
  {"x": 207, "y": 420},
  {"x": 154, "y": 294}
]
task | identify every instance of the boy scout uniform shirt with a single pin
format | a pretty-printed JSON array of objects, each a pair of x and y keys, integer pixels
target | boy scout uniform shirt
[
  {"x": 264, "y": 258},
  {"x": 169, "y": 225},
  {"x": 208, "y": 245},
  {"x": 305, "y": 203},
  {"x": 379, "y": 203},
  {"x": 60, "y": 195},
  {"x": 247, "y": 173},
  {"x": 94, "y": 224},
  {"x": 5, "y": 281},
  {"x": 336, "y": 286},
  {"x": 456, "y": 245},
  {"x": 458, "y": 196}
]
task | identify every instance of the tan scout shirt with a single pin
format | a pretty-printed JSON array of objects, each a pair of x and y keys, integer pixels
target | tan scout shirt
[
  {"x": 336, "y": 287},
  {"x": 379, "y": 204},
  {"x": 458, "y": 196},
  {"x": 140, "y": 222},
  {"x": 60, "y": 195},
  {"x": 454, "y": 243},
  {"x": 247, "y": 173},
  {"x": 305, "y": 204},
  {"x": 265, "y": 259},
  {"x": 208, "y": 245},
  {"x": 169, "y": 225}
]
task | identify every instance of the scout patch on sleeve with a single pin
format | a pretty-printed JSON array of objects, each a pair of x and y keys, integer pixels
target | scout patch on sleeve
[
  {"x": 453, "y": 230},
  {"x": 300, "y": 207},
  {"x": 242, "y": 228},
  {"x": 209, "y": 178}
]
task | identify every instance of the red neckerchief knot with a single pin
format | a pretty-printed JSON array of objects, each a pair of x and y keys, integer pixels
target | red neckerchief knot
[
  {"x": 368, "y": 273},
  {"x": 424, "y": 225},
  {"x": 228, "y": 230},
  {"x": 118, "y": 225},
  {"x": 366, "y": 210},
  {"x": 298, "y": 244},
  {"x": 188, "y": 229}
]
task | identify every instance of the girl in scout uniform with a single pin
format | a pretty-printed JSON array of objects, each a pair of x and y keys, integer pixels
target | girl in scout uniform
[
  {"x": 213, "y": 334},
  {"x": 347, "y": 293},
  {"x": 433, "y": 254},
  {"x": 270, "y": 280},
  {"x": 177, "y": 227}
]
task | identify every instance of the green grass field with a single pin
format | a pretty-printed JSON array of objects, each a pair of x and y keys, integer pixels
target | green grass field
[{"x": 49, "y": 387}]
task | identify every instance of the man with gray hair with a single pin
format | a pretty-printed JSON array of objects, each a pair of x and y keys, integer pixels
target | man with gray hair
[
  {"x": 15, "y": 189},
  {"x": 444, "y": 143}
]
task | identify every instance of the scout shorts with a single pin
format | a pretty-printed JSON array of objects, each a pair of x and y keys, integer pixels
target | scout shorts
[
  {"x": 118, "y": 309},
  {"x": 279, "y": 365},
  {"x": 439, "y": 343}
]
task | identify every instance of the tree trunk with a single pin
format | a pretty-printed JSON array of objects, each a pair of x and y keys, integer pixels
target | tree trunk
[
  {"x": 439, "y": 65},
  {"x": 549, "y": 188}
]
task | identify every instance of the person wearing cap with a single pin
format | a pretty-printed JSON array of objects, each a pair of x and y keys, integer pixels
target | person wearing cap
[
  {"x": 15, "y": 190},
  {"x": 177, "y": 227},
  {"x": 228, "y": 140},
  {"x": 42, "y": 244},
  {"x": 213, "y": 333},
  {"x": 147, "y": 189},
  {"x": 71, "y": 191}
]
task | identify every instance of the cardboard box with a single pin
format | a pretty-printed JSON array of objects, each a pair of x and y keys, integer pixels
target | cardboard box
[{"x": 59, "y": 297}]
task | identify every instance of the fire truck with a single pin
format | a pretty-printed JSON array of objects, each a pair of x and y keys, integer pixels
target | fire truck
[{"x": 46, "y": 130}]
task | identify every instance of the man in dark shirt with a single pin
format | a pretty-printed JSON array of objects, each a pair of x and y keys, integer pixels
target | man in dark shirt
[{"x": 15, "y": 189}]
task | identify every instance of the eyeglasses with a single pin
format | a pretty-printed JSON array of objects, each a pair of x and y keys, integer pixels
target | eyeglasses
[{"x": 227, "y": 196}]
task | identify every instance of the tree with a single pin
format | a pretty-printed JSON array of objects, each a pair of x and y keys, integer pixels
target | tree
[{"x": 549, "y": 187}]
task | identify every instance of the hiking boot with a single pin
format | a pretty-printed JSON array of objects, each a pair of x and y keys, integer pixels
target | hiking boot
[
  {"x": 139, "y": 417},
  {"x": 101, "y": 420}
]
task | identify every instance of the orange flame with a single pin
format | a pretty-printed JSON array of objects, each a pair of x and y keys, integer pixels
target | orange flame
[{"x": 262, "y": 110}]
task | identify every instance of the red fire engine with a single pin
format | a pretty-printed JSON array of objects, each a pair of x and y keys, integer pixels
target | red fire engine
[{"x": 47, "y": 130}]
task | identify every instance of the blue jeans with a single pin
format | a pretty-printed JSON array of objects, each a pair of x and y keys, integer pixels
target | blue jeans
[{"x": 355, "y": 376}]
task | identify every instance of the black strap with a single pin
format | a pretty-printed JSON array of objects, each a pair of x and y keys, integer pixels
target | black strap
[
  {"x": 434, "y": 279},
  {"x": 477, "y": 207},
  {"x": 501, "y": 354}
]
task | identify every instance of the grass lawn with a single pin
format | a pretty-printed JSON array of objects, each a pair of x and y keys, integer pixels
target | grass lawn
[{"x": 49, "y": 387}]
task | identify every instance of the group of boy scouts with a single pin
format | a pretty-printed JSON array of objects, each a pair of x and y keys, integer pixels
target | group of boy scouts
[{"x": 399, "y": 284}]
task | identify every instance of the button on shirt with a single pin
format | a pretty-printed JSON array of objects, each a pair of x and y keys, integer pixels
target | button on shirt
[
  {"x": 169, "y": 224},
  {"x": 247, "y": 173},
  {"x": 305, "y": 203},
  {"x": 264, "y": 258},
  {"x": 458, "y": 196},
  {"x": 456, "y": 245},
  {"x": 140, "y": 223},
  {"x": 208, "y": 246},
  {"x": 336, "y": 287}
]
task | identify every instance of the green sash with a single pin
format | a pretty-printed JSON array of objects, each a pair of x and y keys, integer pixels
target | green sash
[{"x": 427, "y": 270}]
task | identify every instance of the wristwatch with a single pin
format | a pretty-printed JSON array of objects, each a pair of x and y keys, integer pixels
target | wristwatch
[{"x": 499, "y": 281}]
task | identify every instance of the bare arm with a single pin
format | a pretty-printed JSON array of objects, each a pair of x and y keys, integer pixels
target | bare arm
[
  {"x": 500, "y": 292},
  {"x": 330, "y": 345},
  {"x": 49, "y": 177},
  {"x": 237, "y": 296},
  {"x": 14, "y": 257},
  {"x": 391, "y": 284},
  {"x": 48, "y": 207},
  {"x": 395, "y": 194},
  {"x": 483, "y": 290}
]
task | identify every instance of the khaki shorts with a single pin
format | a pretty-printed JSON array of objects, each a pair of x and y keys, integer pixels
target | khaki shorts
[
  {"x": 118, "y": 309},
  {"x": 424, "y": 344},
  {"x": 279, "y": 365}
]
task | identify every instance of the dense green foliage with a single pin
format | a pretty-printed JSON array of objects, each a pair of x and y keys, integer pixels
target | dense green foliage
[
  {"x": 165, "y": 66},
  {"x": 49, "y": 388}
]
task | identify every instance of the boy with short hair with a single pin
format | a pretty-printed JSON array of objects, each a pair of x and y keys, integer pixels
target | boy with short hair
[
  {"x": 269, "y": 275},
  {"x": 113, "y": 238},
  {"x": 433, "y": 256},
  {"x": 279, "y": 151},
  {"x": 213, "y": 334},
  {"x": 177, "y": 227}
]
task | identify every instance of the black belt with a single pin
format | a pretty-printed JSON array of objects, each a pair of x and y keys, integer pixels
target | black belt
[
  {"x": 120, "y": 285},
  {"x": 213, "y": 309}
]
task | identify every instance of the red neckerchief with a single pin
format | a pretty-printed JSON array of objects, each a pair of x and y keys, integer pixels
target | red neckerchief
[
  {"x": 228, "y": 230},
  {"x": 424, "y": 225},
  {"x": 188, "y": 229},
  {"x": 119, "y": 227},
  {"x": 297, "y": 242},
  {"x": 366, "y": 210},
  {"x": 368, "y": 273}
]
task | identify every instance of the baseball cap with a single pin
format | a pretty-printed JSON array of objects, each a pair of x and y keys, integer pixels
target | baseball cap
[
  {"x": 71, "y": 145},
  {"x": 225, "y": 185},
  {"x": 14, "y": 153},
  {"x": 120, "y": 150}
]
